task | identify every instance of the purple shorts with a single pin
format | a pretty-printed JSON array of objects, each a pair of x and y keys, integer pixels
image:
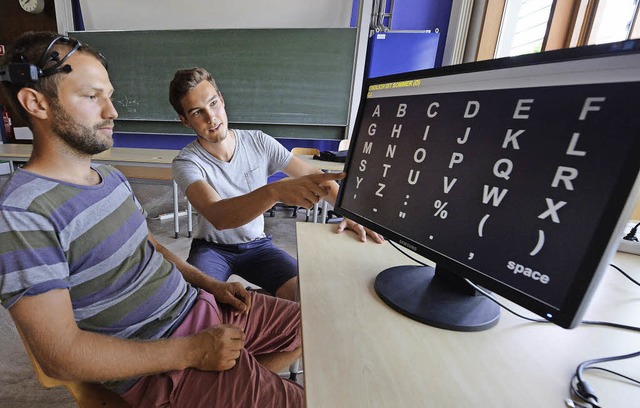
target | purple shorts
[{"x": 272, "y": 325}]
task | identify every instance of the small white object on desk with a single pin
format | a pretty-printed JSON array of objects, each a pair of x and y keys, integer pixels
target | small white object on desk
[{"x": 629, "y": 246}]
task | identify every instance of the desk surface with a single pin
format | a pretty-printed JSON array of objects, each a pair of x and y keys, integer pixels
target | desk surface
[
  {"x": 358, "y": 352},
  {"x": 15, "y": 151},
  {"x": 115, "y": 155}
]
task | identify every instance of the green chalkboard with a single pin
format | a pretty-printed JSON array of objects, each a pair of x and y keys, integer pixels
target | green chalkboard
[{"x": 276, "y": 77}]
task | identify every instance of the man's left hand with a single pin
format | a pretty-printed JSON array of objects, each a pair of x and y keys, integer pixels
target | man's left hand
[
  {"x": 231, "y": 293},
  {"x": 361, "y": 231}
]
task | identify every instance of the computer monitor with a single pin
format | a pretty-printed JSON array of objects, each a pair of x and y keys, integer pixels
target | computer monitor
[{"x": 517, "y": 174}]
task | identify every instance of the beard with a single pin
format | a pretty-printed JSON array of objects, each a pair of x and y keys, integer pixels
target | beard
[{"x": 77, "y": 136}]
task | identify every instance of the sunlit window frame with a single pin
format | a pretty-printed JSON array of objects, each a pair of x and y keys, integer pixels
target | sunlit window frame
[{"x": 569, "y": 25}]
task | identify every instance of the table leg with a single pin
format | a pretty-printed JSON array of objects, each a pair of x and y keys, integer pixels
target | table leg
[
  {"x": 324, "y": 211},
  {"x": 176, "y": 222},
  {"x": 189, "y": 220}
]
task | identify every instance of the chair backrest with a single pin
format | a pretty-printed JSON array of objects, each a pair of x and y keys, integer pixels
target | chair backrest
[
  {"x": 87, "y": 395},
  {"x": 305, "y": 150},
  {"x": 344, "y": 144}
]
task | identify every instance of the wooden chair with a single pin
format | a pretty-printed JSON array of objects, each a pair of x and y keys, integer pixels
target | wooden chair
[{"x": 86, "y": 395}]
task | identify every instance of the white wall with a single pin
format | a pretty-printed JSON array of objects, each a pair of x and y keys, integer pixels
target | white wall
[{"x": 203, "y": 14}]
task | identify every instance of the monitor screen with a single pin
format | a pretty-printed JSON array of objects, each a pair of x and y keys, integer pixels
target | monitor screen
[{"x": 517, "y": 174}]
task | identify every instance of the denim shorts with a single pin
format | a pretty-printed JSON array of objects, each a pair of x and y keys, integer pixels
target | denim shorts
[{"x": 259, "y": 262}]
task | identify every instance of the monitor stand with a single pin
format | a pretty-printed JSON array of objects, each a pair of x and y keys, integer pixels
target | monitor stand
[{"x": 437, "y": 298}]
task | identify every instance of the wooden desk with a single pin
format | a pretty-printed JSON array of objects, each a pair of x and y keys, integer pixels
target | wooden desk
[
  {"x": 133, "y": 162},
  {"x": 358, "y": 352},
  {"x": 321, "y": 164}
]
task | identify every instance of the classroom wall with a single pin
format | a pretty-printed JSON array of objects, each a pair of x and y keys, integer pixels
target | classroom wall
[
  {"x": 99, "y": 15},
  {"x": 203, "y": 14}
]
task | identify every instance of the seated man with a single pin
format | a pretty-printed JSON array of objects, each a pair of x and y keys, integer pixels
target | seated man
[
  {"x": 94, "y": 295},
  {"x": 224, "y": 175}
]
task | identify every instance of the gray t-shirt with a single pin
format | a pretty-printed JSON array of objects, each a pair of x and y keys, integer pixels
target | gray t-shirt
[{"x": 257, "y": 156}]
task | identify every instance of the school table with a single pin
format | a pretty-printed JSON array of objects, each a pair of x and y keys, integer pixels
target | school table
[
  {"x": 358, "y": 352},
  {"x": 133, "y": 162}
]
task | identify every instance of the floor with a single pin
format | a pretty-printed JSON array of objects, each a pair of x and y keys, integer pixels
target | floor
[{"x": 18, "y": 385}]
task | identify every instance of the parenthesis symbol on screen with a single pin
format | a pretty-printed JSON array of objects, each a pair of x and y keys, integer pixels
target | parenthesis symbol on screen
[
  {"x": 540, "y": 243},
  {"x": 481, "y": 225}
]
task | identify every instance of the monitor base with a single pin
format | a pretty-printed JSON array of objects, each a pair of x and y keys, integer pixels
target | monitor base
[{"x": 422, "y": 294}]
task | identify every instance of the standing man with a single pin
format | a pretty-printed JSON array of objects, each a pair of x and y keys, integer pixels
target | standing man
[
  {"x": 224, "y": 175},
  {"x": 94, "y": 295}
]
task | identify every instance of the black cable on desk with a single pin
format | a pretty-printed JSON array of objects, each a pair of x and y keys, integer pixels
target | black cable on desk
[
  {"x": 583, "y": 391},
  {"x": 625, "y": 274}
]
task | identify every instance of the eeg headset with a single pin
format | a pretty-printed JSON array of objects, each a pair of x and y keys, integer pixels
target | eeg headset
[{"x": 23, "y": 73}]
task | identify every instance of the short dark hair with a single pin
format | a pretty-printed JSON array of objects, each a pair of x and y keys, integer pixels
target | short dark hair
[
  {"x": 185, "y": 80},
  {"x": 31, "y": 47}
]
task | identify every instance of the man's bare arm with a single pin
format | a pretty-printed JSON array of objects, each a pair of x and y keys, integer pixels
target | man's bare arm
[
  {"x": 65, "y": 352},
  {"x": 237, "y": 211},
  {"x": 298, "y": 168}
]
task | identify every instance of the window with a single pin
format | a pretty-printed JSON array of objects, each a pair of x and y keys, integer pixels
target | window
[
  {"x": 524, "y": 27},
  {"x": 613, "y": 21},
  {"x": 514, "y": 27}
]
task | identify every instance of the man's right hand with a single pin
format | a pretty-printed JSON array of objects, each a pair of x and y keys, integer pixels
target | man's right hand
[
  {"x": 219, "y": 347},
  {"x": 305, "y": 191}
]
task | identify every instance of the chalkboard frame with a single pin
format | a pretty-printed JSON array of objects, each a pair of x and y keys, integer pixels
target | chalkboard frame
[{"x": 296, "y": 82}]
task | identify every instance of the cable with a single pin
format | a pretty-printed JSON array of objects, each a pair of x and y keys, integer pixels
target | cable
[
  {"x": 633, "y": 380},
  {"x": 582, "y": 390},
  {"x": 625, "y": 274}
]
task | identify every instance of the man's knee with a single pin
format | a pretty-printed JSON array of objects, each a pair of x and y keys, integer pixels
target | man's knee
[{"x": 288, "y": 290}]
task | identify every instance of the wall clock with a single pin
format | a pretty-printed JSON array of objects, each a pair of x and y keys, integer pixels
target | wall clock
[{"x": 32, "y": 6}]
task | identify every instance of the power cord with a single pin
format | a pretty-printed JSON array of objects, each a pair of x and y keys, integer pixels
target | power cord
[
  {"x": 583, "y": 391},
  {"x": 625, "y": 274},
  {"x": 579, "y": 388}
]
